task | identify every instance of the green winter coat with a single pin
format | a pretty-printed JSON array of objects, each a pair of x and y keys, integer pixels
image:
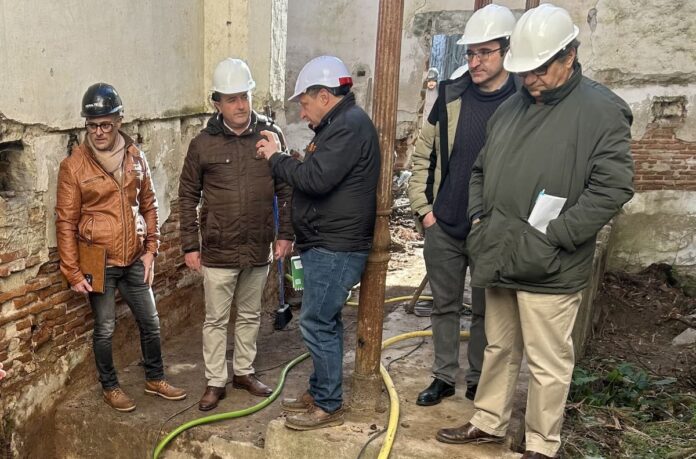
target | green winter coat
[{"x": 573, "y": 145}]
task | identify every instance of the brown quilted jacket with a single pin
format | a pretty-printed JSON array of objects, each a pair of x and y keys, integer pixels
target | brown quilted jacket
[
  {"x": 235, "y": 192},
  {"x": 90, "y": 205}
]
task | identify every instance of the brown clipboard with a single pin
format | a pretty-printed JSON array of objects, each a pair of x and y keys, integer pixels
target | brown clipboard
[{"x": 93, "y": 264}]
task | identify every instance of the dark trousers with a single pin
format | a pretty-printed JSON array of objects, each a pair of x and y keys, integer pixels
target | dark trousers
[
  {"x": 446, "y": 260},
  {"x": 138, "y": 295}
]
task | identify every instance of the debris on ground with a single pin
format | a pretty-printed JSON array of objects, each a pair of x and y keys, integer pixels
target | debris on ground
[{"x": 634, "y": 392}]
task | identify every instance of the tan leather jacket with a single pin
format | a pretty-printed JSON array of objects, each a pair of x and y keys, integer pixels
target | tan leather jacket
[{"x": 90, "y": 205}]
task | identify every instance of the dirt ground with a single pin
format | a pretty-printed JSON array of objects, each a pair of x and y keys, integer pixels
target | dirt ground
[{"x": 635, "y": 393}]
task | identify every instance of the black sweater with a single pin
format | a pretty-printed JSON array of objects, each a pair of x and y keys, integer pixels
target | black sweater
[{"x": 477, "y": 107}]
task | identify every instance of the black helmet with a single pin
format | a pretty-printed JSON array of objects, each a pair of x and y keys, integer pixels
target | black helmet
[{"x": 101, "y": 99}]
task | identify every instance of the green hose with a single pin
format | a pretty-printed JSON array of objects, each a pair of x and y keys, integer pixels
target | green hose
[
  {"x": 253, "y": 409},
  {"x": 232, "y": 414}
]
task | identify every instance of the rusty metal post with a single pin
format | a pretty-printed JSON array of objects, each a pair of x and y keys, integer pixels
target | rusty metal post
[
  {"x": 367, "y": 385},
  {"x": 478, "y": 4}
]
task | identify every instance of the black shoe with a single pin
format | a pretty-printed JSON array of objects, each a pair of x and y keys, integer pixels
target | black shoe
[
  {"x": 471, "y": 392},
  {"x": 435, "y": 393}
]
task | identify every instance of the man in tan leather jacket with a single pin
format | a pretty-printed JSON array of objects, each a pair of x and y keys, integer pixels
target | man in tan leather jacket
[{"x": 105, "y": 196}]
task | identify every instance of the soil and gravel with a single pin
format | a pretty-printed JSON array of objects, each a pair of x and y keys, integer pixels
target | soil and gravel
[{"x": 636, "y": 391}]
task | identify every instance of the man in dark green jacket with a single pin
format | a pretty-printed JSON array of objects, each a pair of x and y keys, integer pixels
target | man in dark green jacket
[{"x": 563, "y": 136}]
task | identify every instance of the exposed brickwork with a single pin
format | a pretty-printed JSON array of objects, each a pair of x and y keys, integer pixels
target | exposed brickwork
[
  {"x": 45, "y": 315},
  {"x": 663, "y": 162}
]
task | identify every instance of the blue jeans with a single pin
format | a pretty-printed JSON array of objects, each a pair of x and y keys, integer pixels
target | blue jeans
[
  {"x": 328, "y": 278},
  {"x": 138, "y": 295}
]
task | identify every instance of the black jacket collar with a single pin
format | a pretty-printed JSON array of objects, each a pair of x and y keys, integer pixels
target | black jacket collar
[{"x": 346, "y": 102}]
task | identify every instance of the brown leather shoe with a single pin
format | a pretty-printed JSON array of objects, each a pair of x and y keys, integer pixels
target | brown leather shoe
[
  {"x": 299, "y": 404},
  {"x": 314, "y": 418},
  {"x": 211, "y": 397},
  {"x": 534, "y": 455},
  {"x": 251, "y": 384},
  {"x": 164, "y": 390},
  {"x": 468, "y": 433},
  {"x": 118, "y": 400}
]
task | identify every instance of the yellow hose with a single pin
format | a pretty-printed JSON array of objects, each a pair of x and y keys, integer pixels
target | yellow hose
[
  {"x": 393, "y": 396},
  {"x": 392, "y": 424}
]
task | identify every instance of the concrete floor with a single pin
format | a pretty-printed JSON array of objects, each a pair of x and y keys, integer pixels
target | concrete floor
[{"x": 86, "y": 427}]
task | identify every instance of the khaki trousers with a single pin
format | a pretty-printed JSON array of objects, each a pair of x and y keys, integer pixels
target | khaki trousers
[
  {"x": 221, "y": 285},
  {"x": 541, "y": 326}
]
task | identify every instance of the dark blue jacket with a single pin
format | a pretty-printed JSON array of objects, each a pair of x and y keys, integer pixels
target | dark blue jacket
[{"x": 334, "y": 188}]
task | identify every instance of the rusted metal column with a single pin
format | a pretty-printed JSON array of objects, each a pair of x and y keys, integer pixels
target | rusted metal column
[
  {"x": 478, "y": 4},
  {"x": 531, "y": 4},
  {"x": 367, "y": 384}
]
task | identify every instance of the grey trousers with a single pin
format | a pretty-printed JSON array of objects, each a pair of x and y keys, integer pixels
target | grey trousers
[{"x": 446, "y": 260}]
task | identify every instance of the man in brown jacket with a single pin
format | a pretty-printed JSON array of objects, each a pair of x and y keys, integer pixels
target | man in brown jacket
[
  {"x": 236, "y": 190},
  {"x": 105, "y": 197}
]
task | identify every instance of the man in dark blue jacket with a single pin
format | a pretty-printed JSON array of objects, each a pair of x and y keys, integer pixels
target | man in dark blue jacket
[{"x": 333, "y": 213}]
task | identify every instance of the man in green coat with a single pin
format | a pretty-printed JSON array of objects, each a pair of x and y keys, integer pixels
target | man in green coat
[{"x": 563, "y": 141}]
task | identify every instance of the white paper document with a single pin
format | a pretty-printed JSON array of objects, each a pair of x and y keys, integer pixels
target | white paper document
[{"x": 546, "y": 208}]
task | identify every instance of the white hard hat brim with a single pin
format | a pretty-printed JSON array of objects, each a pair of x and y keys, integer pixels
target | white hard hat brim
[
  {"x": 295, "y": 97},
  {"x": 237, "y": 90},
  {"x": 477, "y": 40}
]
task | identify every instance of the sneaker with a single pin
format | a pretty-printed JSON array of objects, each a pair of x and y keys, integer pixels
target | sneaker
[
  {"x": 164, "y": 390},
  {"x": 118, "y": 400},
  {"x": 298, "y": 405},
  {"x": 315, "y": 418}
]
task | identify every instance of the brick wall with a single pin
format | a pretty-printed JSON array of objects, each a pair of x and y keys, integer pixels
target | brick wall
[
  {"x": 664, "y": 162},
  {"x": 44, "y": 319}
]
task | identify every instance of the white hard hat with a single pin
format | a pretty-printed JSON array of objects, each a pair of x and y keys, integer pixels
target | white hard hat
[
  {"x": 539, "y": 34},
  {"x": 232, "y": 76},
  {"x": 459, "y": 71},
  {"x": 488, "y": 23},
  {"x": 326, "y": 71}
]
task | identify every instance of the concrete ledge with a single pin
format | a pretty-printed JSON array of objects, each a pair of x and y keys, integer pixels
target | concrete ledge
[{"x": 347, "y": 440}]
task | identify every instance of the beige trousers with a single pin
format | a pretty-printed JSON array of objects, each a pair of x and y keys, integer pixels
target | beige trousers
[
  {"x": 221, "y": 285},
  {"x": 541, "y": 326}
]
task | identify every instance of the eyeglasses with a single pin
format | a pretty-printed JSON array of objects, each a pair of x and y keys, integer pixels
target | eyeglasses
[
  {"x": 482, "y": 55},
  {"x": 544, "y": 68},
  {"x": 105, "y": 127},
  {"x": 539, "y": 71}
]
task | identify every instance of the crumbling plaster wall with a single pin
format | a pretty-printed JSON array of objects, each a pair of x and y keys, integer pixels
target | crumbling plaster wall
[
  {"x": 52, "y": 51},
  {"x": 255, "y": 31},
  {"x": 343, "y": 28},
  {"x": 646, "y": 52}
]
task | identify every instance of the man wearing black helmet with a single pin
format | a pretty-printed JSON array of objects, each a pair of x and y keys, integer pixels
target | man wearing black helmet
[{"x": 105, "y": 197}]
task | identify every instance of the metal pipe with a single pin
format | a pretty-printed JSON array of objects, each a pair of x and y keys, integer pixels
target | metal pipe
[{"x": 366, "y": 388}]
